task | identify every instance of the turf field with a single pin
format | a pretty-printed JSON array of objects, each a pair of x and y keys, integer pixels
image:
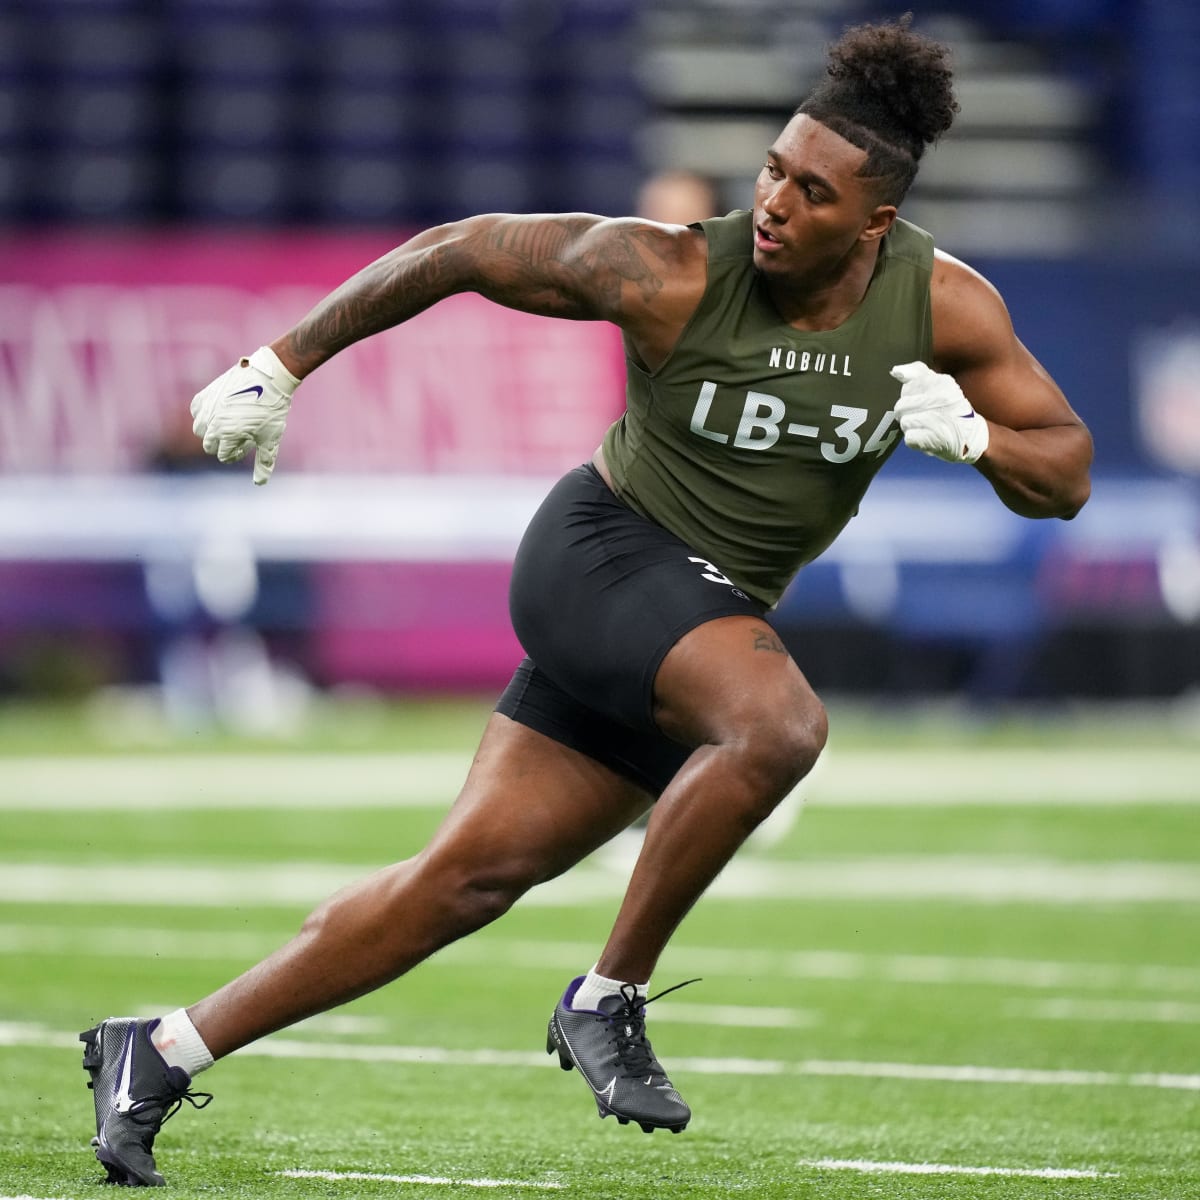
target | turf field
[{"x": 967, "y": 968}]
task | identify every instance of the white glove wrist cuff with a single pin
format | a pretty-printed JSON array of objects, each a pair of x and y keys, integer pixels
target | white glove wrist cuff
[
  {"x": 265, "y": 359},
  {"x": 977, "y": 440}
]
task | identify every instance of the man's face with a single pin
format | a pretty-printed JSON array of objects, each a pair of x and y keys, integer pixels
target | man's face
[{"x": 809, "y": 206}]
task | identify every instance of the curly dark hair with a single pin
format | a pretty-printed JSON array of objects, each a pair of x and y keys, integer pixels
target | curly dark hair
[{"x": 888, "y": 91}]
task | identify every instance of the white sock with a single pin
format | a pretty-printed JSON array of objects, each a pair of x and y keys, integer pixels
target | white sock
[
  {"x": 595, "y": 987},
  {"x": 176, "y": 1039}
]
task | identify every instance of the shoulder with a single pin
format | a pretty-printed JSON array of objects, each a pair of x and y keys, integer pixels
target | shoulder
[
  {"x": 909, "y": 243},
  {"x": 954, "y": 281},
  {"x": 970, "y": 319},
  {"x": 658, "y": 274},
  {"x": 728, "y": 237},
  {"x": 615, "y": 238},
  {"x": 654, "y": 263}
]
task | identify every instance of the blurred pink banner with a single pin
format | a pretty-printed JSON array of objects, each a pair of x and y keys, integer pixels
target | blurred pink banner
[{"x": 104, "y": 338}]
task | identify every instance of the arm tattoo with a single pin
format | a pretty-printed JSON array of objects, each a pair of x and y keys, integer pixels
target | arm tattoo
[
  {"x": 768, "y": 639},
  {"x": 548, "y": 267},
  {"x": 544, "y": 265},
  {"x": 381, "y": 295}
]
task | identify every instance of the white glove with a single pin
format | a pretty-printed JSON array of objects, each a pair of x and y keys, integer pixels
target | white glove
[
  {"x": 246, "y": 407},
  {"x": 936, "y": 417}
]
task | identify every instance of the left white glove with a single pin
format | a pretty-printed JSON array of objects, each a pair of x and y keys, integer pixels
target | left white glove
[
  {"x": 936, "y": 417},
  {"x": 246, "y": 408}
]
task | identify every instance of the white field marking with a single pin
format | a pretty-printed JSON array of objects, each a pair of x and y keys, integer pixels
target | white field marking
[
  {"x": 903, "y": 1168},
  {"x": 30, "y": 1033},
  {"x": 253, "y": 780},
  {"x": 18, "y": 1033},
  {"x": 114, "y": 941},
  {"x": 1069, "y": 1008},
  {"x": 276, "y": 1047},
  {"x": 174, "y": 885},
  {"x": 325, "y": 1024},
  {"x": 979, "y": 879},
  {"x": 740, "y": 1016},
  {"x": 129, "y": 942},
  {"x": 842, "y": 964},
  {"x": 373, "y": 1177},
  {"x": 923, "y": 777}
]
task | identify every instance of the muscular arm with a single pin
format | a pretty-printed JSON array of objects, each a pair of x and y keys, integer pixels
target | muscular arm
[
  {"x": 636, "y": 274},
  {"x": 1040, "y": 452}
]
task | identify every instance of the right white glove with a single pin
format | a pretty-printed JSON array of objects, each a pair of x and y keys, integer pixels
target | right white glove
[
  {"x": 246, "y": 407},
  {"x": 936, "y": 417}
]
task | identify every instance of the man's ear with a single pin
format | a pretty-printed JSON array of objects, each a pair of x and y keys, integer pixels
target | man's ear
[{"x": 878, "y": 223}]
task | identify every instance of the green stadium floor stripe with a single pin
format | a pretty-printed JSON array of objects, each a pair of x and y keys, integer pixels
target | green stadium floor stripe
[
  {"x": 30, "y": 1034},
  {"x": 903, "y": 1168},
  {"x": 922, "y": 777},
  {"x": 980, "y": 879}
]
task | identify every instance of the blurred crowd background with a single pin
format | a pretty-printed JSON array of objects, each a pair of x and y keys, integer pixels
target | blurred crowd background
[{"x": 181, "y": 179}]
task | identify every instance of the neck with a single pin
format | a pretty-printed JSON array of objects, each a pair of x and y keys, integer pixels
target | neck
[{"x": 824, "y": 298}]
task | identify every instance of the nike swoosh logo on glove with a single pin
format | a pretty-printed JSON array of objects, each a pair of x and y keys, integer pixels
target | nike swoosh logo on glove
[{"x": 257, "y": 390}]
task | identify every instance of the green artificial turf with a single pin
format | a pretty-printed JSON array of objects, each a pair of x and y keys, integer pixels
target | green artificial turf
[{"x": 979, "y": 991}]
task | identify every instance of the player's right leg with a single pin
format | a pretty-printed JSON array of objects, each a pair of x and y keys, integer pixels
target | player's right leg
[{"x": 530, "y": 809}]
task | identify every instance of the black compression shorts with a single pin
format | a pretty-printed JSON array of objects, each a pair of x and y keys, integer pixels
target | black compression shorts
[{"x": 599, "y": 595}]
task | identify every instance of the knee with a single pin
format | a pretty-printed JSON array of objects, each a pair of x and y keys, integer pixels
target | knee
[
  {"x": 445, "y": 893},
  {"x": 807, "y": 739},
  {"x": 476, "y": 892},
  {"x": 779, "y": 748},
  {"x": 483, "y": 896}
]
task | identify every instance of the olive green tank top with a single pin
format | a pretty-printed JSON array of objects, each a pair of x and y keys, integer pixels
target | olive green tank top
[{"x": 755, "y": 441}]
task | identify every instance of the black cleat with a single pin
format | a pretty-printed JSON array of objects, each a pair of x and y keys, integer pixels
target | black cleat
[
  {"x": 612, "y": 1052},
  {"x": 135, "y": 1092}
]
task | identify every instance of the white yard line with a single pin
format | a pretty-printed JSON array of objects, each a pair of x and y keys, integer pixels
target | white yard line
[
  {"x": 235, "y": 945},
  {"x": 111, "y": 941},
  {"x": 843, "y": 964},
  {"x": 1072, "y": 1008},
  {"x": 920, "y": 778},
  {"x": 737, "y": 1016},
  {"x": 979, "y": 879},
  {"x": 903, "y": 1168},
  {"x": 32, "y": 1034},
  {"x": 215, "y": 781},
  {"x": 373, "y": 1177}
]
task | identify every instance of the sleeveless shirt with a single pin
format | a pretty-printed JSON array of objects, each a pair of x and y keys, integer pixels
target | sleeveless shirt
[{"x": 754, "y": 441}]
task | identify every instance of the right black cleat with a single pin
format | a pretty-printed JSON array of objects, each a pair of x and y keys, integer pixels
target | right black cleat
[
  {"x": 135, "y": 1092},
  {"x": 611, "y": 1050}
]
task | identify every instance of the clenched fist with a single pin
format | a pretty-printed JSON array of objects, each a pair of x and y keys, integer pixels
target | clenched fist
[
  {"x": 936, "y": 417},
  {"x": 246, "y": 407}
]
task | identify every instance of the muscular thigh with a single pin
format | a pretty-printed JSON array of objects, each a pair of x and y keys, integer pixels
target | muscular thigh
[
  {"x": 532, "y": 807},
  {"x": 730, "y": 676}
]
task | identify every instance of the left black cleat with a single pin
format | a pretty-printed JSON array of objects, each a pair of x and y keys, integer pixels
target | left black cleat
[{"x": 135, "y": 1092}]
